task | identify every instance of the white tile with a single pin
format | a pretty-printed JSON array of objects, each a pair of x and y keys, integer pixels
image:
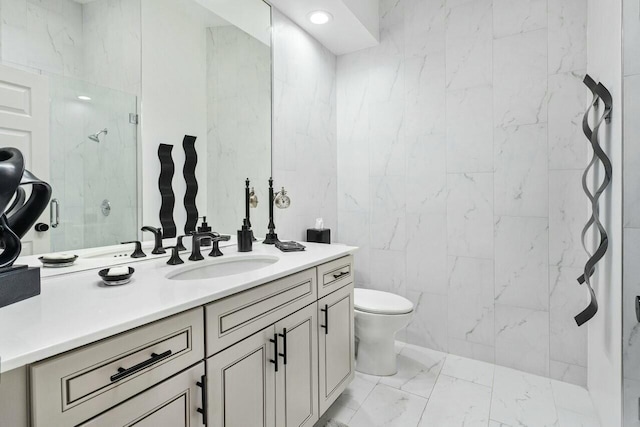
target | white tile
[
  {"x": 469, "y": 370},
  {"x": 631, "y": 393},
  {"x": 571, "y": 419},
  {"x": 426, "y": 174},
  {"x": 567, "y": 35},
  {"x": 518, "y": 16},
  {"x": 386, "y": 139},
  {"x": 418, "y": 370},
  {"x": 631, "y": 130},
  {"x": 521, "y": 262},
  {"x": 388, "y": 271},
  {"x": 455, "y": 402},
  {"x": 520, "y": 79},
  {"x": 424, "y": 27},
  {"x": 427, "y": 263},
  {"x": 522, "y": 339},
  {"x": 573, "y": 398},
  {"x": 485, "y": 353},
  {"x": 337, "y": 412},
  {"x": 428, "y": 325},
  {"x": 425, "y": 94},
  {"x": 469, "y": 44},
  {"x": 567, "y": 100},
  {"x": 521, "y": 185},
  {"x": 387, "y": 406},
  {"x": 388, "y": 217},
  {"x": 568, "y": 213},
  {"x": 521, "y": 399},
  {"x": 568, "y": 341},
  {"x": 470, "y": 215},
  {"x": 493, "y": 423},
  {"x": 469, "y": 130},
  {"x": 354, "y": 396},
  {"x": 572, "y": 374},
  {"x": 471, "y": 300}
]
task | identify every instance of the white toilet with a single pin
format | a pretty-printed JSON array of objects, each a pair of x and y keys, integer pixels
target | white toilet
[{"x": 379, "y": 315}]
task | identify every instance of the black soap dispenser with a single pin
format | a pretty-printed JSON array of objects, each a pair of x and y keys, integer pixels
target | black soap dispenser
[
  {"x": 245, "y": 235},
  {"x": 204, "y": 227}
]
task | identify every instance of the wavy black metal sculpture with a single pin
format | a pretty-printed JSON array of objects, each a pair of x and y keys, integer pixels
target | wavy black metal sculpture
[
  {"x": 165, "y": 180},
  {"x": 18, "y": 217},
  {"x": 189, "y": 173},
  {"x": 599, "y": 93}
]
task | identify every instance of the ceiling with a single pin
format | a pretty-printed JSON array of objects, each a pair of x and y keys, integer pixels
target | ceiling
[{"x": 354, "y": 25}]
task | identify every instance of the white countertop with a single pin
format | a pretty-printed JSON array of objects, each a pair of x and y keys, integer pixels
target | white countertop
[{"x": 76, "y": 309}]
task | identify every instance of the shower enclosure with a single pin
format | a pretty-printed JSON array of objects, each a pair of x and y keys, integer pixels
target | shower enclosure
[{"x": 93, "y": 150}]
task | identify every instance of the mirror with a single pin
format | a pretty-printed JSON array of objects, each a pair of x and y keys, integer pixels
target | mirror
[{"x": 122, "y": 77}]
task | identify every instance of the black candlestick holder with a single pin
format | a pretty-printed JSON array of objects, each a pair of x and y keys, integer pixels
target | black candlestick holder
[{"x": 282, "y": 201}]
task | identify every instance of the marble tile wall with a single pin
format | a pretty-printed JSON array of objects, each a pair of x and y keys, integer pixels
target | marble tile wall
[
  {"x": 631, "y": 215},
  {"x": 459, "y": 165},
  {"x": 304, "y": 130},
  {"x": 239, "y": 126}
]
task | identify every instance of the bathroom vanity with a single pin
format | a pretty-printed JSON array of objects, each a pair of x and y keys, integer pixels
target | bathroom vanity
[{"x": 269, "y": 347}]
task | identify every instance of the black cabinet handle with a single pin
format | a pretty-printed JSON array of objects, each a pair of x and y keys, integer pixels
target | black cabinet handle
[
  {"x": 275, "y": 351},
  {"x": 339, "y": 275},
  {"x": 122, "y": 372},
  {"x": 284, "y": 345},
  {"x": 203, "y": 390},
  {"x": 325, "y": 310}
]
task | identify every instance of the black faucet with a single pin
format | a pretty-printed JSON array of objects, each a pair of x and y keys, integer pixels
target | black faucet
[
  {"x": 138, "y": 252},
  {"x": 195, "y": 245},
  {"x": 175, "y": 256},
  {"x": 157, "y": 234},
  {"x": 179, "y": 243},
  {"x": 215, "y": 237}
]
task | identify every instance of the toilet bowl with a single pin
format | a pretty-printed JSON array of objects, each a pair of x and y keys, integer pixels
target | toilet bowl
[{"x": 378, "y": 316}]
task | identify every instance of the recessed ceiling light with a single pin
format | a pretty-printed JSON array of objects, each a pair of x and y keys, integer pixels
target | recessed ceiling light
[
  {"x": 320, "y": 17},
  {"x": 84, "y": 98}
]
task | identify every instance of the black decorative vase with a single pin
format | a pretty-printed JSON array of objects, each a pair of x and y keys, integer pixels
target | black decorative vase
[
  {"x": 167, "y": 170},
  {"x": 189, "y": 173}
]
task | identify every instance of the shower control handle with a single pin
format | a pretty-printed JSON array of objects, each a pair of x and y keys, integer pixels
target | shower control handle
[{"x": 54, "y": 213}]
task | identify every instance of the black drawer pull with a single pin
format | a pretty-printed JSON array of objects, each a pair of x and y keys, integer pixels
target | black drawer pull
[
  {"x": 284, "y": 345},
  {"x": 203, "y": 389},
  {"x": 339, "y": 275},
  {"x": 325, "y": 310},
  {"x": 275, "y": 351},
  {"x": 122, "y": 372}
]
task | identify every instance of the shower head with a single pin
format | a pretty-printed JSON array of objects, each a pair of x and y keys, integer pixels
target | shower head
[{"x": 96, "y": 136}]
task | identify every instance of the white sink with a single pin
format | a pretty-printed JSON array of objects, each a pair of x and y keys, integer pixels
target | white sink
[{"x": 223, "y": 267}]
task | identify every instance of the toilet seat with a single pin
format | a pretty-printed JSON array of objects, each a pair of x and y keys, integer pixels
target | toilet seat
[{"x": 378, "y": 302}]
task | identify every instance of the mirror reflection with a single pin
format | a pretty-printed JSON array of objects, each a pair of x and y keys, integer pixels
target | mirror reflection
[{"x": 121, "y": 77}]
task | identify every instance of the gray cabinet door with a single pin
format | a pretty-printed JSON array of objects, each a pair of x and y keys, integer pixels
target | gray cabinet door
[
  {"x": 297, "y": 379},
  {"x": 173, "y": 403},
  {"x": 336, "y": 344},
  {"x": 241, "y": 383}
]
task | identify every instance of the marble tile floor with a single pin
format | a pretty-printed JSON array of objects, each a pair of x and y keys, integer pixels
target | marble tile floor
[{"x": 435, "y": 389}]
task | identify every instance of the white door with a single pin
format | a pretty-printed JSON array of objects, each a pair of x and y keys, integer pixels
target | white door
[
  {"x": 297, "y": 378},
  {"x": 24, "y": 124}
]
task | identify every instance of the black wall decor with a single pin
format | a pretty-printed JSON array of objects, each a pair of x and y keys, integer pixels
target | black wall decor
[
  {"x": 600, "y": 93},
  {"x": 189, "y": 172},
  {"x": 167, "y": 170}
]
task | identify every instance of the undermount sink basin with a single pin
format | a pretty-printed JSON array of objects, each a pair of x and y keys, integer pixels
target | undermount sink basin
[{"x": 222, "y": 268}]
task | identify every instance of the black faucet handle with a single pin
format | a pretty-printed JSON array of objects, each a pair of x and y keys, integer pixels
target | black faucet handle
[
  {"x": 157, "y": 234},
  {"x": 137, "y": 252},
  {"x": 179, "y": 243},
  {"x": 175, "y": 255},
  {"x": 215, "y": 251}
]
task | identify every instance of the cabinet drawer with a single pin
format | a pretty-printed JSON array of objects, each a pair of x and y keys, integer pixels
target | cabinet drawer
[
  {"x": 75, "y": 386},
  {"x": 232, "y": 319},
  {"x": 173, "y": 403},
  {"x": 334, "y": 275}
]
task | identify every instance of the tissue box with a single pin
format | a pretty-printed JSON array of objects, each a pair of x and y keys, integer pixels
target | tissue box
[
  {"x": 319, "y": 235},
  {"x": 18, "y": 283}
]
